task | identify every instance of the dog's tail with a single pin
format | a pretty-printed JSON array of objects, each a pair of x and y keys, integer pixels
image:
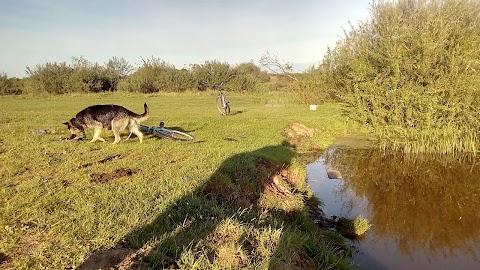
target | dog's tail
[{"x": 144, "y": 116}]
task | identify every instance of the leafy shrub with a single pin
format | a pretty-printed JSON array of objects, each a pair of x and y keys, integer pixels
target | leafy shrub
[
  {"x": 314, "y": 87},
  {"x": 49, "y": 78},
  {"x": 246, "y": 77},
  {"x": 413, "y": 66},
  {"x": 156, "y": 75},
  {"x": 210, "y": 74},
  {"x": 80, "y": 76},
  {"x": 9, "y": 86}
]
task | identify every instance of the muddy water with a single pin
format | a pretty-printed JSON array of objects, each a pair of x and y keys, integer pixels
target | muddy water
[{"x": 425, "y": 210}]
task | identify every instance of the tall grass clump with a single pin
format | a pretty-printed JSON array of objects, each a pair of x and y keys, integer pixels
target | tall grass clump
[
  {"x": 353, "y": 227},
  {"x": 411, "y": 73}
]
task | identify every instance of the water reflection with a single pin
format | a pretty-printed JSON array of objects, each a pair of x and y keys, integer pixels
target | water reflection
[{"x": 422, "y": 204}]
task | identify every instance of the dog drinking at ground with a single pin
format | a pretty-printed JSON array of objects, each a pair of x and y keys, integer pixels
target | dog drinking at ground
[{"x": 112, "y": 117}]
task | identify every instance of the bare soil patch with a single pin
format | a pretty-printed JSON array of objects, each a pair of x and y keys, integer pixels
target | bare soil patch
[
  {"x": 3, "y": 258},
  {"x": 116, "y": 258},
  {"x": 106, "y": 177},
  {"x": 102, "y": 161}
]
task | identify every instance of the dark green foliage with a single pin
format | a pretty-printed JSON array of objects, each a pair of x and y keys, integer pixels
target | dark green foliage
[
  {"x": 246, "y": 77},
  {"x": 211, "y": 73},
  {"x": 411, "y": 70},
  {"x": 156, "y": 75},
  {"x": 316, "y": 86},
  {"x": 10, "y": 86},
  {"x": 80, "y": 76},
  {"x": 49, "y": 78},
  {"x": 88, "y": 77}
]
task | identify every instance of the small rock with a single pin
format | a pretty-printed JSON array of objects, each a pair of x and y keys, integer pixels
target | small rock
[
  {"x": 40, "y": 131},
  {"x": 334, "y": 174}
]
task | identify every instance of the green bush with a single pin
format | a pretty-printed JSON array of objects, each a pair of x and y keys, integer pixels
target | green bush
[
  {"x": 315, "y": 86},
  {"x": 210, "y": 74},
  {"x": 156, "y": 75},
  {"x": 79, "y": 76},
  {"x": 413, "y": 67},
  {"x": 88, "y": 77},
  {"x": 9, "y": 86}
]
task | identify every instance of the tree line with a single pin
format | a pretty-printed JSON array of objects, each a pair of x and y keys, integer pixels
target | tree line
[{"x": 154, "y": 75}]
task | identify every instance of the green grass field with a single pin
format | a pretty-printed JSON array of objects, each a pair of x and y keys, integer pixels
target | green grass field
[{"x": 200, "y": 204}]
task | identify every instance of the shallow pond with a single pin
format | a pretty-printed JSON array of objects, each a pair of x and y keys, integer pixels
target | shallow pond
[{"x": 424, "y": 210}]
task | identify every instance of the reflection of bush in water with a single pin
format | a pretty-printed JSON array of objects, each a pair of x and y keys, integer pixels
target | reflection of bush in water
[{"x": 420, "y": 201}]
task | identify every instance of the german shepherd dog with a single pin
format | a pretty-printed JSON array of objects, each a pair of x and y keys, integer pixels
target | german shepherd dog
[{"x": 112, "y": 117}]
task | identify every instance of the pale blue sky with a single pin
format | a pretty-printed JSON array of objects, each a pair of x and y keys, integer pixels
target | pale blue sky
[{"x": 180, "y": 32}]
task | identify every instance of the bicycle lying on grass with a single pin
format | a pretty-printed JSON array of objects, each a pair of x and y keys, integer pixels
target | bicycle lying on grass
[
  {"x": 163, "y": 132},
  {"x": 223, "y": 105}
]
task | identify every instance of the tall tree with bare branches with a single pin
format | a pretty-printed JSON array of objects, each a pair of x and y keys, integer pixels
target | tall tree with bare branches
[{"x": 277, "y": 66}]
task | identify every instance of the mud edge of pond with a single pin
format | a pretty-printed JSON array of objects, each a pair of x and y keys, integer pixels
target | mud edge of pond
[{"x": 300, "y": 138}]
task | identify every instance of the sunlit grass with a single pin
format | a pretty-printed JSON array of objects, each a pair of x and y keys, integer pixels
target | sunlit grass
[
  {"x": 53, "y": 215},
  {"x": 360, "y": 225},
  {"x": 354, "y": 227}
]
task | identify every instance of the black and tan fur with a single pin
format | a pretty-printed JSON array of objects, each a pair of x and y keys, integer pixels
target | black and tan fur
[{"x": 112, "y": 117}]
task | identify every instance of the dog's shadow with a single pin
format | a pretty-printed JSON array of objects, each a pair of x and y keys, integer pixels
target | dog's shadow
[{"x": 190, "y": 222}]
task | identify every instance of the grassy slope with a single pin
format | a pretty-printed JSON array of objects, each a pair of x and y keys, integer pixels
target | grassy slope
[{"x": 52, "y": 215}]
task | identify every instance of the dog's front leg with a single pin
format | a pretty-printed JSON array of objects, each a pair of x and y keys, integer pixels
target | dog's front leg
[{"x": 96, "y": 135}]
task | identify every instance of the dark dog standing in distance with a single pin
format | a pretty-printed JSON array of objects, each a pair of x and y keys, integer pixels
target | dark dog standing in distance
[{"x": 114, "y": 117}]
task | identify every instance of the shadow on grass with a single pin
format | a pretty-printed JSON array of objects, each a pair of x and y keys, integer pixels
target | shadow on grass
[
  {"x": 236, "y": 112},
  {"x": 219, "y": 223}
]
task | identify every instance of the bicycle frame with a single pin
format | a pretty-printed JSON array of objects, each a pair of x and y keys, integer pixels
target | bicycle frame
[
  {"x": 223, "y": 99},
  {"x": 163, "y": 132},
  {"x": 223, "y": 105}
]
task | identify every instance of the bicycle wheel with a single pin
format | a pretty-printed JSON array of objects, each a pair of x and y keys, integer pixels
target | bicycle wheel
[
  {"x": 181, "y": 136},
  {"x": 173, "y": 135},
  {"x": 161, "y": 133},
  {"x": 220, "y": 103},
  {"x": 145, "y": 129}
]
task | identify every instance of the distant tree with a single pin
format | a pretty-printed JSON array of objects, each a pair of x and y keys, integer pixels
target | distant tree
[
  {"x": 246, "y": 77},
  {"x": 89, "y": 77},
  {"x": 157, "y": 75},
  {"x": 49, "y": 78},
  {"x": 117, "y": 69},
  {"x": 9, "y": 86},
  {"x": 277, "y": 66},
  {"x": 211, "y": 73}
]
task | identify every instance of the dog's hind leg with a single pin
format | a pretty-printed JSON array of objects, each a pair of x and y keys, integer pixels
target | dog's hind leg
[
  {"x": 117, "y": 136},
  {"x": 96, "y": 135},
  {"x": 137, "y": 132},
  {"x": 118, "y": 125}
]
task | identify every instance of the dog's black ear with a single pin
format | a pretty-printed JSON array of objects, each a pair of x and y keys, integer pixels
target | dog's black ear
[{"x": 65, "y": 123}]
